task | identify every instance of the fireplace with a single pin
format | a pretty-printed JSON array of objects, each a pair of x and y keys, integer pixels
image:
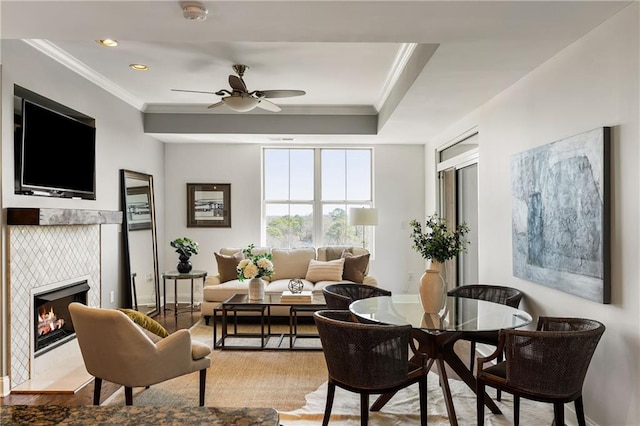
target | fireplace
[{"x": 52, "y": 325}]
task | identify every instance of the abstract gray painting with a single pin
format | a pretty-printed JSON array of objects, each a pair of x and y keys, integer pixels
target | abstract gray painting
[{"x": 560, "y": 218}]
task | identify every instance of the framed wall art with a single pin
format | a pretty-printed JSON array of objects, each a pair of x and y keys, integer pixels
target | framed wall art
[
  {"x": 208, "y": 205},
  {"x": 560, "y": 215}
]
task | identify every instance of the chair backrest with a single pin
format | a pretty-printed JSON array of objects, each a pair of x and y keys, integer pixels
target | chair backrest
[
  {"x": 340, "y": 296},
  {"x": 554, "y": 359},
  {"x": 364, "y": 356},
  {"x": 111, "y": 344},
  {"x": 493, "y": 293}
]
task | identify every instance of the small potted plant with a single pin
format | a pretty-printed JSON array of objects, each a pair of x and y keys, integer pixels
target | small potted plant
[
  {"x": 437, "y": 243},
  {"x": 185, "y": 248}
]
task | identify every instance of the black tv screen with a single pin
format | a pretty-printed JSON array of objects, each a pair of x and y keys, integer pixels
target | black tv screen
[{"x": 57, "y": 153}]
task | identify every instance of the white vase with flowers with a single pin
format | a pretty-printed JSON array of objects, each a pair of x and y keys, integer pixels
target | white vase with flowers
[{"x": 254, "y": 267}]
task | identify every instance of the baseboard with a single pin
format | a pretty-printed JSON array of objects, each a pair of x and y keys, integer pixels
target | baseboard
[{"x": 5, "y": 386}]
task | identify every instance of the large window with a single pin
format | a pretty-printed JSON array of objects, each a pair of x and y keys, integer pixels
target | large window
[{"x": 307, "y": 194}]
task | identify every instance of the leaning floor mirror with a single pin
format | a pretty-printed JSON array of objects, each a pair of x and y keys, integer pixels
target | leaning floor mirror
[{"x": 140, "y": 242}]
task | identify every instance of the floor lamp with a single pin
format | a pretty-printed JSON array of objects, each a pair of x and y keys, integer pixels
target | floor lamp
[{"x": 364, "y": 217}]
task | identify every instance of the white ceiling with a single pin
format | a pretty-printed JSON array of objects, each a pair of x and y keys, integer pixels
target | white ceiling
[{"x": 347, "y": 55}]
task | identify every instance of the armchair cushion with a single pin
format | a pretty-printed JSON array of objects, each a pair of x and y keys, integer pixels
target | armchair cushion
[
  {"x": 355, "y": 267},
  {"x": 325, "y": 271},
  {"x": 199, "y": 350},
  {"x": 145, "y": 322},
  {"x": 227, "y": 265}
]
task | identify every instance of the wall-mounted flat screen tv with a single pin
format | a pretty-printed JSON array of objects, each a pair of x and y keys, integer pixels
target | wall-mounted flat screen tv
[{"x": 56, "y": 153}]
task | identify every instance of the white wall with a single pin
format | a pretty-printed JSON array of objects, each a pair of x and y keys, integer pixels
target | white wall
[
  {"x": 120, "y": 144},
  {"x": 399, "y": 196},
  {"x": 592, "y": 83}
]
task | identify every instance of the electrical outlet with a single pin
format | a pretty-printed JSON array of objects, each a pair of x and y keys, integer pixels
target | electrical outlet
[{"x": 112, "y": 296}]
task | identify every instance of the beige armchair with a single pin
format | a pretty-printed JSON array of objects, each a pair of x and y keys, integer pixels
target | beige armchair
[{"x": 114, "y": 348}]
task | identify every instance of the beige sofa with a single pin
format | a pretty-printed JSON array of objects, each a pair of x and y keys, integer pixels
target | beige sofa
[{"x": 288, "y": 264}]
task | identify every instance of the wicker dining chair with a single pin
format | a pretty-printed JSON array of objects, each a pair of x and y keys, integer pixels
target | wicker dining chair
[
  {"x": 547, "y": 365},
  {"x": 493, "y": 293},
  {"x": 367, "y": 359},
  {"x": 340, "y": 296}
]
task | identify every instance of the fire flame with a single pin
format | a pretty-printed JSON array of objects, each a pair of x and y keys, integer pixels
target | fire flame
[{"x": 48, "y": 321}]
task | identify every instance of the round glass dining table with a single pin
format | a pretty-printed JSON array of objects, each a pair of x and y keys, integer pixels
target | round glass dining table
[
  {"x": 438, "y": 332},
  {"x": 458, "y": 314}
]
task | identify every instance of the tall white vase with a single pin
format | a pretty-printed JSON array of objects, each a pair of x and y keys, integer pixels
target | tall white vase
[
  {"x": 256, "y": 289},
  {"x": 432, "y": 290}
]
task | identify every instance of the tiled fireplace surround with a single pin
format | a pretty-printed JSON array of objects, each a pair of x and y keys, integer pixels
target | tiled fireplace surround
[{"x": 40, "y": 256}]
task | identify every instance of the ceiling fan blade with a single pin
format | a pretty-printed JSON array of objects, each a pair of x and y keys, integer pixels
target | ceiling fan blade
[
  {"x": 193, "y": 91},
  {"x": 269, "y": 106},
  {"x": 279, "y": 93},
  {"x": 236, "y": 83},
  {"x": 217, "y": 104}
]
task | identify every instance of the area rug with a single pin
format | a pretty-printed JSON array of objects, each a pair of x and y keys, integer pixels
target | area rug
[
  {"x": 294, "y": 383},
  {"x": 273, "y": 379},
  {"x": 404, "y": 408}
]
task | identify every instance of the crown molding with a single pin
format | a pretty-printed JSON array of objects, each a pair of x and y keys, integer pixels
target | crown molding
[
  {"x": 62, "y": 57},
  {"x": 399, "y": 63}
]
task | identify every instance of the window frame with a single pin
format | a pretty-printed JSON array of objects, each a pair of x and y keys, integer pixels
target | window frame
[{"x": 317, "y": 202}]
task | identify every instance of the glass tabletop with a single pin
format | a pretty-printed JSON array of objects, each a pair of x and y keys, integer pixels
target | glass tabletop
[
  {"x": 459, "y": 314},
  {"x": 317, "y": 299}
]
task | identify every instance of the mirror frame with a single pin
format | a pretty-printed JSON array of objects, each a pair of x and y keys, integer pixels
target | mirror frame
[{"x": 124, "y": 175}]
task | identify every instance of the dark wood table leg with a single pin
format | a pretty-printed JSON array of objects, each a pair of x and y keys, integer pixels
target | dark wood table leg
[
  {"x": 448, "y": 399},
  {"x": 451, "y": 358}
]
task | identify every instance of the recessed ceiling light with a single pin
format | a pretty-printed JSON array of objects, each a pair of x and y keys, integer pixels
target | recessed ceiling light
[
  {"x": 107, "y": 42},
  {"x": 194, "y": 11},
  {"x": 139, "y": 67}
]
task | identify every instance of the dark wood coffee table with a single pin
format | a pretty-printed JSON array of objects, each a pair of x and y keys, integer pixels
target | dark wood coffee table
[{"x": 240, "y": 303}]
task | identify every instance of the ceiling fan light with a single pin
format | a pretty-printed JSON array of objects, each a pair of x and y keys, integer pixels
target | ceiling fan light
[{"x": 241, "y": 103}]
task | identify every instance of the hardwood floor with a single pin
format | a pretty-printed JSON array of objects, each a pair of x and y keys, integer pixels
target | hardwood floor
[{"x": 85, "y": 395}]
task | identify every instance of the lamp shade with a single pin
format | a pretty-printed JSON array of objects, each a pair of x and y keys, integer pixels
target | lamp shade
[
  {"x": 241, "y": 103},
  {"x": 363, "y": 216}
]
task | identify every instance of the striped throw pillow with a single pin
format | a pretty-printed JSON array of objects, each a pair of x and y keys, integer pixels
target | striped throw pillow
[{"x": 325, "y": 271}]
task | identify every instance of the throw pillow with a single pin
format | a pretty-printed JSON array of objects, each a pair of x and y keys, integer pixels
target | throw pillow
[
  {"x": 335, "y": 252},
  {"x": 227, "y": 266},
  {"x": 325, "y": 271},
  {"x": 145, "y": 322},
  {"x": 355, "y": 267}
]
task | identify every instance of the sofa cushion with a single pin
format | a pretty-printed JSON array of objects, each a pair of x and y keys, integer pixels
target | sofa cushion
[
  {"x": 227, "y": 265},
  {"x": 291, "y": 263},
  {"x": 145, "y": 322},
  {"x": 325, "y": 271},
  {"x": 278, "y": 286},
  {"x": 336, "y": 252},
  {"x": 355, "y": 267}
]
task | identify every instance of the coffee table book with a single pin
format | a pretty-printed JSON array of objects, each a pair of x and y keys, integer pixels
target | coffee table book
[{"x": 303, "y": 297}]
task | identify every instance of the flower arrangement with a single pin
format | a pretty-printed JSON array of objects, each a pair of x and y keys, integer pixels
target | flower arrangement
[
  {"x": 185, "y": 247},
  {"x": 438, "y": 242},
  {"x": 254, "y": 266}
]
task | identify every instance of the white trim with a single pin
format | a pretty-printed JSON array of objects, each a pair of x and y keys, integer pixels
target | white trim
[
  {"x": 459, "y": 138},
  {"x": 5, "y": 386},
  {"x": 459, "y": 161},
  {"x": 399, "y": 63},
  {"x": 59, "y": 55}
]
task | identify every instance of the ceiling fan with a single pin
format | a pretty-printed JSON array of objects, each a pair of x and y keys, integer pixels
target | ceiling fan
[{"x": 241, "y": 100}]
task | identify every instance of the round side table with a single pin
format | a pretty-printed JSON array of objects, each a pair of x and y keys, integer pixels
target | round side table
[{"x": 176, "y": 276}]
